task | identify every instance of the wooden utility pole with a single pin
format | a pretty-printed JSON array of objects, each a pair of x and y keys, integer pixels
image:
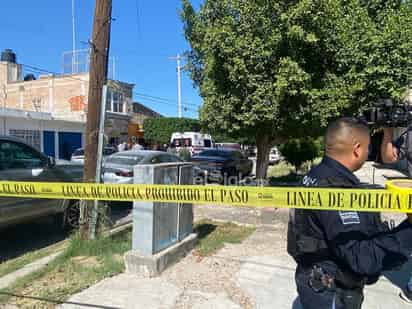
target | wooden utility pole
[{"x": 97, "y": 78}]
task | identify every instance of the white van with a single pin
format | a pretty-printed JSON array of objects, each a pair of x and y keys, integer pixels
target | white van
[{"x": 194, "y": 141}]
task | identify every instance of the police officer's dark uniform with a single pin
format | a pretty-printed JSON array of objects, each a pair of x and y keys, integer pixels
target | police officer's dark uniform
[{"x": 338, "y": 252}]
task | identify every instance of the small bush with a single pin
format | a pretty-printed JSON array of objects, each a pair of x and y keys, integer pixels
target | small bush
[{"x": 299, "y": 151}]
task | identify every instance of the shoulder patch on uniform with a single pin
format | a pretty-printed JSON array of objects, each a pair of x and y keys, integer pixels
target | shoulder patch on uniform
[
  {"x": 349, "y": 217},
  {"x": 309, "y": 181}
]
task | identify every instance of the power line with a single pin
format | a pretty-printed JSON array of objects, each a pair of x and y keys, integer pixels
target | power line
[
  {"x": 152, "y": 98},
  {"x": 166, "y": 103},
  {"x": 164, "y": 99}
]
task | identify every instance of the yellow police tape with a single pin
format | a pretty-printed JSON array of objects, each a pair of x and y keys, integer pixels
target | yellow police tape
[{"x": 396, "y": 197}]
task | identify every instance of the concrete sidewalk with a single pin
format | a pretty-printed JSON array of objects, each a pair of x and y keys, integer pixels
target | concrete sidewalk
[
  {"x": 267, "y": 280},
  {"x": 257, "y": 273}
]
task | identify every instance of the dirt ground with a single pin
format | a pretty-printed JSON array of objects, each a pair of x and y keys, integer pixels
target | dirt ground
[{"x": 201, "y": 278}]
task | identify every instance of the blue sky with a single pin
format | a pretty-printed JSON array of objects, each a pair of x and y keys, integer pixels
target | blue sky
[{"x": 144, "y": 35}]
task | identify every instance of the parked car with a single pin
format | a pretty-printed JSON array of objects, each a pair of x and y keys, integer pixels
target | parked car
[
  {"x": 215, "y": 164},
  {"x": 21, "y": 162},
  {"x": 232, "y": 146},
  {"x": 78, "y": 154},
  {"x": 274, "y": 156},
  {"x": 118, "y": 168}
]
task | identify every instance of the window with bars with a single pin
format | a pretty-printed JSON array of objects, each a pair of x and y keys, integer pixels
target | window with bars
[{"x": 31, "y": 137}]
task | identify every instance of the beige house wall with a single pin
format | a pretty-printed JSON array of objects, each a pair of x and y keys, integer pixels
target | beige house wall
[{"x": 65, "y": 97}]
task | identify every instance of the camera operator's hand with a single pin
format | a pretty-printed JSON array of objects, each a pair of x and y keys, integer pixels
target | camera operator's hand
[{"x": 389, "y": 152}]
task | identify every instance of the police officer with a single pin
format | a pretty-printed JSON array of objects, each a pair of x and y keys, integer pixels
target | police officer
[{"x": 338, "y": 252}]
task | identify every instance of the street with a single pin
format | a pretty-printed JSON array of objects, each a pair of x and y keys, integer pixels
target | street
[
  {"x": 21, "y": 239},
  {"x": 18, "y": 240}
]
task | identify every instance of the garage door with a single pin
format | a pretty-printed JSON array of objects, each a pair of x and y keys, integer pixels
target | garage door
[
  {"x": 48, "y": 143},
  {"x": 68, "y": 143}
]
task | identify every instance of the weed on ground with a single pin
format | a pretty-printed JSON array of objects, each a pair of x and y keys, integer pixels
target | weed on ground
[{"x": 213, "y": 236}]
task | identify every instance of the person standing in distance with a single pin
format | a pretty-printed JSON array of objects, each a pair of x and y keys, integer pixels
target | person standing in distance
[{"x": 339, "y": 252}]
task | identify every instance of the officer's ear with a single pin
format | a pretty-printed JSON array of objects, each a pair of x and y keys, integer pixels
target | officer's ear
[{"x": 357, "y": 149}]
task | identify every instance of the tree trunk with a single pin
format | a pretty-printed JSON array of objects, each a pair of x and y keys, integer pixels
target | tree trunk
[{"x": 263, "y": 144}]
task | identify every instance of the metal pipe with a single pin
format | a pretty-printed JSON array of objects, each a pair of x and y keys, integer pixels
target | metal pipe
[
  {"x": 100, "y": 147},
  {"x": 74, "y": 39}
]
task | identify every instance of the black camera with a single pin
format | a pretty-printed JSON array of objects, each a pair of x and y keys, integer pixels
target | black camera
[{"x": 387, "y": 113}]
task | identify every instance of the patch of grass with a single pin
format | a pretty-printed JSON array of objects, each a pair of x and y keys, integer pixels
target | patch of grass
[
  {"x": 280, "y": 170},
  {"x": 284, "y": 172},
  {"x": 12, "y": 265},
  {"x": 81, "y": 265},
  {"x": 213, "y": 236}
]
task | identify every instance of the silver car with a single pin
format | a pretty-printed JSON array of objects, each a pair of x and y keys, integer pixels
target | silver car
[
  {"x": 118, "y": 168},
  {"x": 21, "y": 162},
  {"x": 78, "y": 154}
]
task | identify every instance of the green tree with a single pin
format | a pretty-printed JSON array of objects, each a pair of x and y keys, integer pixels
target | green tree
[
  {"x": 159, "y": 130},
  {"x": 277, "y": 69},
  {"x": 223, "y": 137},
  {"x": 298, "y": 151}
]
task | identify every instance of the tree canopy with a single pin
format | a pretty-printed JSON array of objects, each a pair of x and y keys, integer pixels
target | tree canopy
[
  {"x": 275, "y": 69},
  {"x": 159, "y": 130}
]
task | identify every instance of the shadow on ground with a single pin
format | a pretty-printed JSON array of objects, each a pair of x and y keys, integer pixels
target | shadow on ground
[
  {"x": 204, "y": 229},
  {"x": 20, "y": 239},
  {"x": 291, "y": 179},
  {"x": 24, "y": 238},
  {"x": 400, "y": 277}
]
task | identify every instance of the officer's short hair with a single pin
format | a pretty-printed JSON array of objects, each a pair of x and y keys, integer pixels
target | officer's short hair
[{"x": 343, "y": 132}]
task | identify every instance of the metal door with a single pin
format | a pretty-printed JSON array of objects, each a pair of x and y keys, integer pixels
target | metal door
[
  {"x": 49, "y": 143},
  {"x": 68, "y": 143}
]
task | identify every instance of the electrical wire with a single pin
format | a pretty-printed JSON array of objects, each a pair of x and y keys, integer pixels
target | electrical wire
[
  {"x": 166, "y": 103},
  {"x": 163, "y": 99},
  {"x": 155, "y": 99}
]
